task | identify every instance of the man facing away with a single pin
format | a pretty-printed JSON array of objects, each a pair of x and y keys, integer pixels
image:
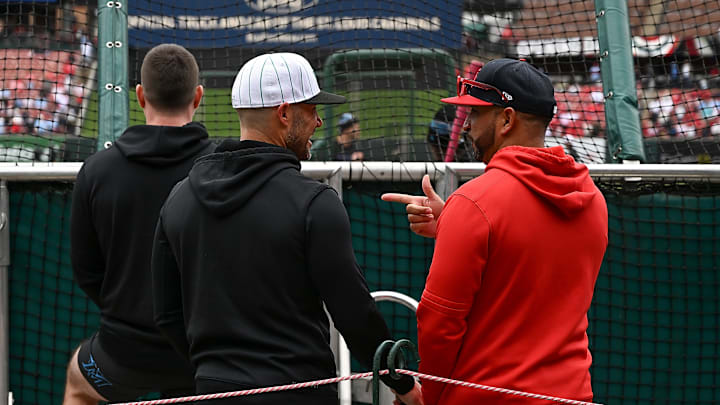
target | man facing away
[
  {"x": 116, "y": 201},
  {"x": 517, "y": 252},
  {"x": 247, "y": 250}
]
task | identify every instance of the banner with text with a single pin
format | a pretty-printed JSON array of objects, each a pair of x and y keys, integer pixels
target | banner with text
[{"x": 296, "y": 23}]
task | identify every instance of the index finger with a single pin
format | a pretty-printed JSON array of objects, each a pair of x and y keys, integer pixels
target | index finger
[{"x": 400, "y": 198}]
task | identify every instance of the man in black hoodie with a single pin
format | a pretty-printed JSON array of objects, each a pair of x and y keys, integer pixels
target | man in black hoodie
[
  {"x": 247, "y": 250},
  {"x": 116, "y": 201}
]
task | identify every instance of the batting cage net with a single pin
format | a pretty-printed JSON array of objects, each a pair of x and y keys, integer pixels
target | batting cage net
[
  {"x": 48, "y": 70},
  {"x": 655, "y": 320},
  {"x": 396, "y": 59},
  {"x": 677, "y": 44},
  {"x": 393, "y": 59}
]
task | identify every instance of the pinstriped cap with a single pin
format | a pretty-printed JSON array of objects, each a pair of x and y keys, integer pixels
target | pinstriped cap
[{"x": 271, "y": 79}]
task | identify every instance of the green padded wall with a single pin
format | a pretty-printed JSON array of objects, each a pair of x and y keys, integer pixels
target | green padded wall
[{"x": 654, "y": 323}]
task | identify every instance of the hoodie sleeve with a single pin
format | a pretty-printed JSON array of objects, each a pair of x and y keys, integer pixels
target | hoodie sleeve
[
  {"x": 167, "y": 293},
  {"x": 341, "y": 285},
  {"x": 86, "y": 255},
  {"x": 461, "y": 251}
]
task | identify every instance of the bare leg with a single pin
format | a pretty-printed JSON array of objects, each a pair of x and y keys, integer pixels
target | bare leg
[{"x": 77, "y": 390}]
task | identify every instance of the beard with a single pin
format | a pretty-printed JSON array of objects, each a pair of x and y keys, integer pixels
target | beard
[
  {"x": 477, "y": 153},
  {"x": 296, "y": 142},
  {"x": 483, "y": 143},
  {"x": 478, "y": 149}
]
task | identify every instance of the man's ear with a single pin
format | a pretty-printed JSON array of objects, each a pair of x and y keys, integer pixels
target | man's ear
[
  {"x": 140, "y": 94},
  {"x": 283, "y": 113},
  {"x": 508, "y": 119},
  {"x": 199, "y": 91}
]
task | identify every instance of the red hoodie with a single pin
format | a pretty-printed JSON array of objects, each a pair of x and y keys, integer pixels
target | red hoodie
[{"x": 517, "y": 254}]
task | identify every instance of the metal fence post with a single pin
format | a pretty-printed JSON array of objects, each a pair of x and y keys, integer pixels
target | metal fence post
[
  {"x": 624, "y": 135},
  {"x": 4, "y": 310},
  {"x": 448, "y": 183},
  {"x": 113, "y": 98},
  {"x": 337, "y": 343}
]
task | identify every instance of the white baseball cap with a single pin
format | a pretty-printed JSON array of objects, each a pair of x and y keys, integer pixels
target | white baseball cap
[{"x": 271, "y": 79}]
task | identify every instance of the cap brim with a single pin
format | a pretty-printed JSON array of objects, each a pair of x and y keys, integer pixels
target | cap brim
[
  {"x": 465, "y": 100},
  {"x": 326, "y": 98}
]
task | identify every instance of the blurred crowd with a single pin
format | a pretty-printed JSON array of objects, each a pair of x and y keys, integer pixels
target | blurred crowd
[
  {"x": 45, "y": 65},
  {"x": 40, "y": 92},
  {"x": 682, "y": 113}
]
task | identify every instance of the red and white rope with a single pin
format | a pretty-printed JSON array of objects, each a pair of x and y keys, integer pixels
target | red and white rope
[
  {"x": 254, "y": 391},
  {"x": 316, "y": 383},
  {"x": 493, "y": 389}
]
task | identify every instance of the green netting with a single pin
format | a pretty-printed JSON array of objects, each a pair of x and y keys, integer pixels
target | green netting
[
  {"x": 49, "y": 315},
  {"x": 655, "y": 318},
  {"x": 392, "y": 257},
  {"x": 48, "y": 73},
  {"x": 654, "y": 323},
  {"x": 395, "y": 97}
]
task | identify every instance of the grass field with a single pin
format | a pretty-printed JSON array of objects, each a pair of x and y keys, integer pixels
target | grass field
[{"x": 381, "y": 112}]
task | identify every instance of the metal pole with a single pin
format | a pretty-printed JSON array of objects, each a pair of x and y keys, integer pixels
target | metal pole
[
  {"x": 362, "y": 390},
  {"x": 113, "y": 99},
  {"x": 4, "y": 312},
  {"x": 393, "y": 171},
  {"x": 335, "y": 180},
  {"x": 337, "y": 343},
  {"x": 448, "y": 184},
  {"x": 345, "y": 393},
  {"x": 396, "y": 297},
  {"x": 618, "y": 76}
]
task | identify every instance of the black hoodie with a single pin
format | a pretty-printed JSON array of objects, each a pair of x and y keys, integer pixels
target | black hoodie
[
  {"x": 116, "y": 201},
  {"x": 246, "y": 252}
]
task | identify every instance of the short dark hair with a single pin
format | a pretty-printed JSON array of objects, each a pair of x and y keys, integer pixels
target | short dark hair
[
  {"x": 169, "y": 76},
  {"x": 538, "y": 120}
]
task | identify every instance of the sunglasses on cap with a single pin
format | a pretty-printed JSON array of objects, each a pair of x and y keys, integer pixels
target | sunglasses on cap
[{"x": 463, "y": 88}]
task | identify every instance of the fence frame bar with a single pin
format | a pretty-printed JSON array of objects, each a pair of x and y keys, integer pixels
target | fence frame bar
[
  {"x": 388, "y": 171},
  {"x": 4, "y": 293}
]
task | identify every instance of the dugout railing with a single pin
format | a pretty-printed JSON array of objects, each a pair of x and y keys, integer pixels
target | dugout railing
[
  {"x": 360, "y": 390},
  {"x": 654, "y": 323}
]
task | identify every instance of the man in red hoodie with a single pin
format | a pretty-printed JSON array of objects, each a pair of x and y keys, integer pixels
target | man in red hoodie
[{"x": 517, "y": 252}]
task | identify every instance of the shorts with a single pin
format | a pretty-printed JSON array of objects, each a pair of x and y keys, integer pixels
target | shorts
[{"x": 118, "y": 383}]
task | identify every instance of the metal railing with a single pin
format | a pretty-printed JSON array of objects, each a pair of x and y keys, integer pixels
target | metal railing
[
  {"x": 384, "y": 171},
  {"x": 446, "y": 175},
  {"x": 345, "y": 389}
]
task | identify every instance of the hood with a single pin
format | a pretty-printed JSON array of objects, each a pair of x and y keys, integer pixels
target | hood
[
  {"x": 160, "y": 145},
  {"x": 225, "y": 180},
  {"x": 549, "y": 173}
]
